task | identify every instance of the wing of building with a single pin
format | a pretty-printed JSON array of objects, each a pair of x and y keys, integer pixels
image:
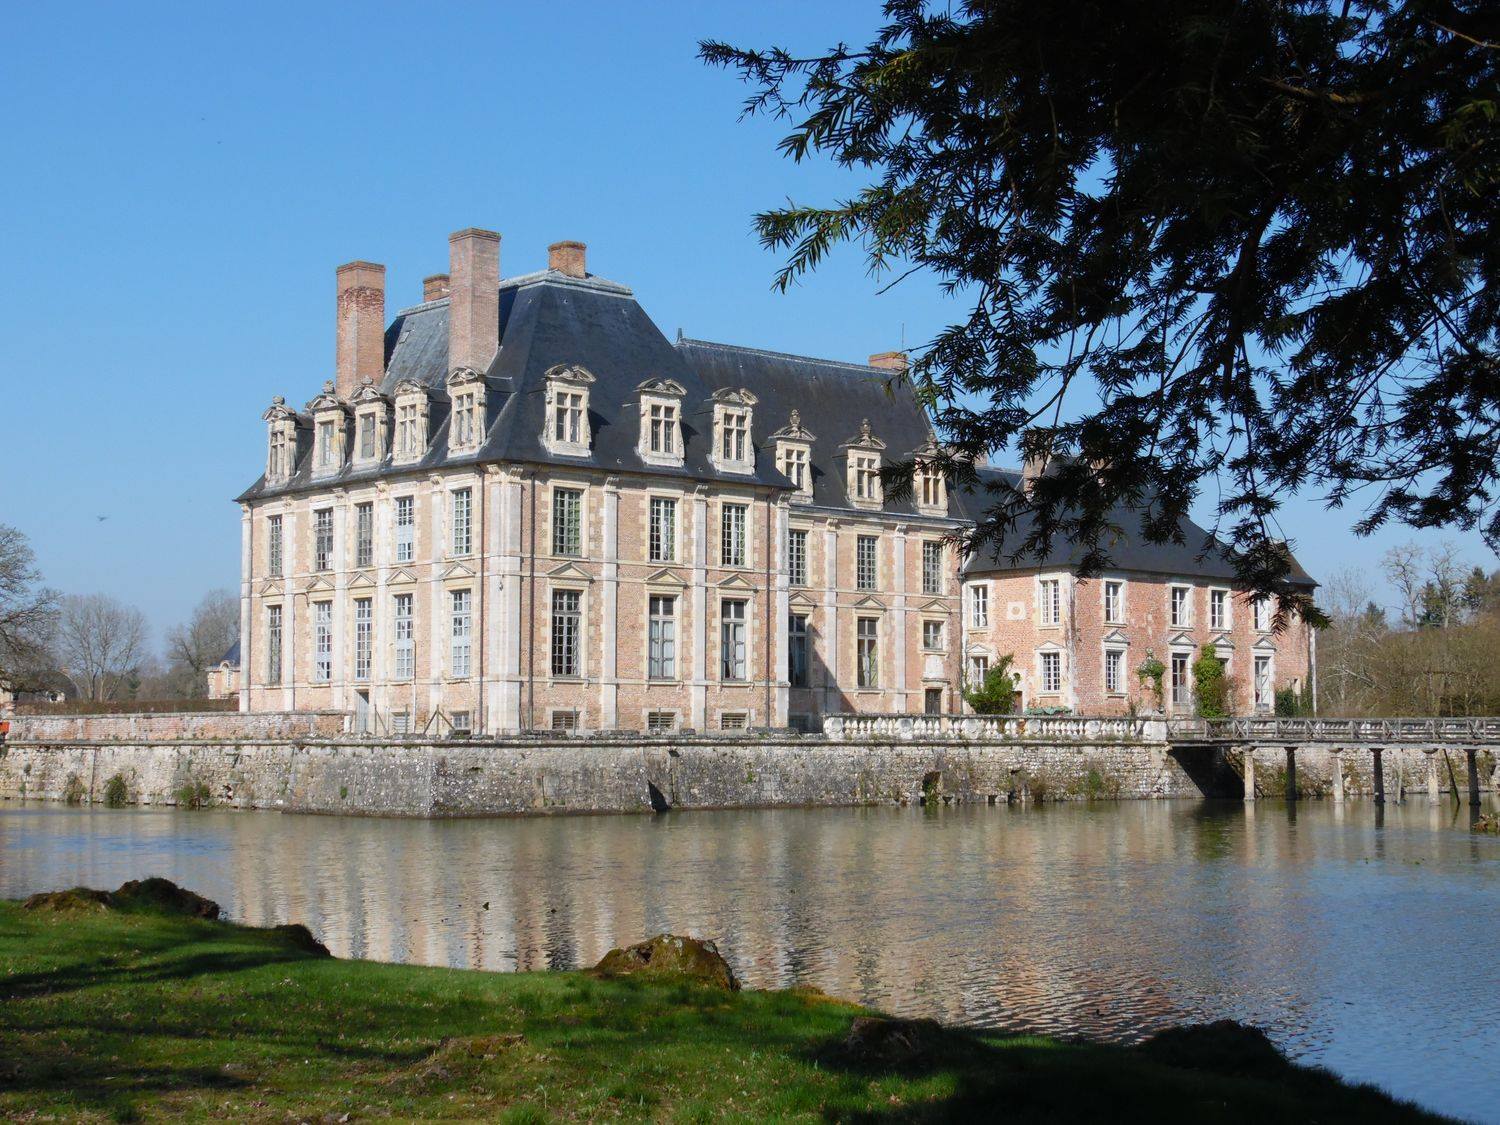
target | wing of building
[{"x": 520, "y": 506}]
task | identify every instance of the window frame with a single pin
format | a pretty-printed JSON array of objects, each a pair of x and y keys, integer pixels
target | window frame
[
  {"x": 1113, "y": 609},
  {"x": 867, "y": 653},
  {"x": 461, "y": 522},
  {"x": 1049, "y": 666},
  {"x": 979, "y": 605},
  {"x": 734, "y": 641},
  {"x": 661, "y": 637},
  {"x": 322, "y": 540},
  {"x": 934, "y": 567},
  {"x": 364, "y": 639},
  {"x": 322, "y": 642},
  {"x": 661, "y": 542},
  {"x": 796, "y": 557},
  {"x": 866, "y": 562},
  {"x": 560, "y": 530},
  {"x": 798, "y": 650},
  {"x": 275, "y": 642},
  {"x": 404, "y": 666},
  {"x": 404, "y": 542},
  {"x": 364, "y": 534},
  {"x": 1049, "y": 602},
  {"x": 728, "y": 534},
  {"x": 460, "y": 633},
  {"x": 1180, "y": 614},
  {"x": 565, "y": 648}
]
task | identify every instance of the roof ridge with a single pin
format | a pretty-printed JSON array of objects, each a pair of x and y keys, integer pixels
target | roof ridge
[{"x": 849, "y": 368}]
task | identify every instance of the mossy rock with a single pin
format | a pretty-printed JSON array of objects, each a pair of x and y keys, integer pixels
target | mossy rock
[
  {"x": 669, "y": 955},
  {"x": 139, "y": 896},
  {"x": 300, "y": 937},
  {"x": 79, "y": 899},
  {"x": 1222, "y": 1047}
]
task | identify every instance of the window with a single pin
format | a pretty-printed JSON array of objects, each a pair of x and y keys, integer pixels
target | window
[
  {"x": 1114, "y": 671},
  {"x": 932, "y": 701},
  {"x": 796, "y": 652},
  {"x": 400, "y": 722},
  {"x": 732, "y": 535},
  {"x": 932, "y": 568},
  {"x": 1262, "y": 614},
  {"x": 273, "y": 546},
  {"x": 1114, "y": 602},
  {"x": 406, "y": 528},
  {"x": 363, "y": 634},
  {"x": 322, "y": 641},
  {"x": 567, "y": 621},
  {"x": 732, "y": 645},
  {"x": 462, "y": 722},
  {"x": 1051, "y": 673},
  {"x": 564, "y": 721},
  {"x": 794, "y": 467},
  {"x": 1049, "y": 592},
  {"x": 1182, "y": 607},
  {"x": 979, "y": 670},
  {"x": 367, "y": 437},
  {"x": 1264, "y": 696},
  {"x": 461, "y": 603},
  {"x": 733, "y": 720},
  {"x": 364, "y": 534},
  {"x": 979, "y": 607},
  {"x": 323, "y": 539},
  {"x": 661, "y": 722},
  {"x": 734, "y": 435},
  {"x": 410, "y": 439},
  {"x": 467, "y": 429},
  {"x": 662, "y": 428},
  {"x": 327, "y": 454},
  {"x": 932, "y": 636},
  {"x": 1182, "y": 689},
  {"x": 864, "y": 562},
  {"x": 1218, "y": 609},
  {"x": 273, "y": 644},
  {"x": 927, "y": 486},
  {"x": 796, "y": 556},
  {"x": 280, "y": 464},
  {"x": 864, "y": 469},
  {"x": 463, "y": 521},
  {"x": 406, "y": 656},
  {"x": 662, "y": 540},
  {"x": 567, "y": 522},
  {"x": 867, "y": 651},
  {"x": 567, "y": 418},
  {"x": 661, "y": 627}
]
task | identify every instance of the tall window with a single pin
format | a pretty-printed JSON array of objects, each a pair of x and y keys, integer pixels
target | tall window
[
  {"x": 928, "y": 486},
  {"x": 364, "y": 623},
  {"x": 466, "y": 426},
  {"x": 567, "y": 621},
  {"x": 281, "y": 454},
  {"x": 322, "y": 641},
  {"x": 1261, "y": 608},
  {"x": 366, "y": 437},
  {"x": 735, "y": 436},
  {"x": 1218, "y": 609},
  {"x": 273, "y": 546},
  {"x": 406, "y": 529},
  {"x": 1114, "y": 602},
  {"x": 1050, "y": 595},
  {"x": 462, "y": 616},
  {"x": 662, "y": 432},
  {"x": 864, "y": 562},
  {"x": 409, "y": 437},
  {"x": 1182, "y": 689},
  {"x": 273, "y": 644},
  {"x": 463, "y": 521},
  {"x": 794, "y": 466},
  {"x": 364, "y": 534},
  {"x": 326, "y": 452},
  {"x": 406, "y": 655},
  {"x": 732, "y": 535},
  {"x": 1264, "y": 696},
  {"x": 866, "y": 472},
  {"x": 796, "y": 556},
  {"x": 1182, "y": 606},
  {"x": 867, "y": 651},
  {"x": 796, "y": 652},
  {"x": 662, "y": 637},
  {"x": 932, "y": 568},
  {"x": 323, "y": 539},
  {"x": 567, "y": 417},
  {"x": 932, "y": 636},
  {"x": 732, "y": 647},
  {"x": 567, "y": 522},
  {"x": 663, "y": 529},
  {"x": 979, "y": 670},
  {"x": 1114, "y": 671},
  {"x": 1051, "y": 673},
  {"x": 979, "y": 606}
]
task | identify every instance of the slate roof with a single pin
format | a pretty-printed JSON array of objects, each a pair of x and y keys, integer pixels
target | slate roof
[
  {"x": 232, "y": 655},
  {"x": 1130, "y": 552}
]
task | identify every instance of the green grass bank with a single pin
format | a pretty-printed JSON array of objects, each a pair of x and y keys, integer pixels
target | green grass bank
[{"x": 130, "y": 1013}]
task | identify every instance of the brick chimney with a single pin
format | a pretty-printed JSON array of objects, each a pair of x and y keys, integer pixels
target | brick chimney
[
  {"x": 435, "y": 288},
  {"x": 473, "y": 298},
  {"x": 889, "y": 361},
  {"x": 359, "y": 350},
  {"x": 568, "y": 259}
]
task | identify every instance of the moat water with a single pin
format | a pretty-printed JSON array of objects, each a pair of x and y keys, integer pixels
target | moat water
[{"x": 1361, "y": 940}]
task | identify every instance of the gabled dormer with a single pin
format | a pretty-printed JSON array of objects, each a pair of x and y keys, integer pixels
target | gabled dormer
[
  {"x": 733, "y": 450},
  {"x": 660, "y": 441},
  {"x": 466, "y": 424},
  {"x": 794, "y": 456},
  {"x": 863, "y": 456},
  {"x": 413, "y": 413},
  {"x": 929, "y": 485},
  {"x": 372, "y": 425},
  {"x": 281, "y": 441},
  {"x": 566, "y": 430},
  {"x": 330, "y": 417}
]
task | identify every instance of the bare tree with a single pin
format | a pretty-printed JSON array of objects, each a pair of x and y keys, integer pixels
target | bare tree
[
  {"x": 101, "y": 643},
  {"x": 202, "y": 641},
  {"x": 28, "y": 610}
]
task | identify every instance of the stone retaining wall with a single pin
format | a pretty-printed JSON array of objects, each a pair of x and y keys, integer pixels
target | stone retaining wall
[{"x": 177, "y": 725}]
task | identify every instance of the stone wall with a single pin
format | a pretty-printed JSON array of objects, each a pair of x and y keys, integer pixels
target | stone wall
[{"x": 229, "y": 726}]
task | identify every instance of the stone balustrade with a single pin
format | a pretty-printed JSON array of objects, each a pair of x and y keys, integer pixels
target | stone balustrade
[
  {"x": 1336, "y": 731},
  {"x": 994, "y": 728}
]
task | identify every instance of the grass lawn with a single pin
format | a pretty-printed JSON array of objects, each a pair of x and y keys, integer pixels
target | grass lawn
[{"x": 139, "y": 1016}]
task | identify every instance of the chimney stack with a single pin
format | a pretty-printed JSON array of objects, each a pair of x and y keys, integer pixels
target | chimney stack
[
  {"x": 889, "y": 361},
  {"x": 435, "y": 288},
  {"x": 1036, "y": 458},
  {"x": 359, "y": 351},
  {"x": 568, "y": 259},
  {"x": 473, "y": 298}
]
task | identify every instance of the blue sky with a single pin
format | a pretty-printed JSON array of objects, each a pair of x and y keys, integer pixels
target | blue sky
[{"x": 181, "y": 182}]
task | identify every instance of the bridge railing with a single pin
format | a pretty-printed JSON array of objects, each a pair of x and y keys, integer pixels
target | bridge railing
[
  {"x": 994, "y": 728},
  {"x": 1336, "y": 730}
]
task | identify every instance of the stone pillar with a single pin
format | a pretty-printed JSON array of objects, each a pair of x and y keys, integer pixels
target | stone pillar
[
  {"x": 1336, "y": 760},
  {"x": 438, "y": 637},
  {"x": 831, "y": 618},
  {"x": 383, "y": 638},
  {"x": 782, "y": 606},
  {"x": 247, "y": 651},
  {"x": 898, "y": 620},
  {"x": 609, "y": 684},
  {"x": 1379, "y": 756},
  {"x": 1291, "y": 773},
  {"x": 698, "y": 719},
  {"x": 290, "y": 545},
  {"x": 508, "y": 627},
  {"x": 1472, "y": 755},
  {"x": 340, "y": 677},
  {"x": 1432, "y": 774},
  {"x": 1249, "y": 773}
]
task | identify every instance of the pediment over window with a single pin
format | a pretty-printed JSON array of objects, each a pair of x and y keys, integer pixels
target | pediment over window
[
  {"x": 1182, "y": 640},
  {"x": 327, "y": 399},
  {"x": 400, "y": 577},
  {"x": 279, "y": 411},
  {"x": 802, "y": 601},
  {"x": 317, "y": 585},
  {"x": 735, "y": 582},
  {"x": 361, "y": 579},
  {"x": 574, "y": 373},
  {"x": 936, "y": 605},
  {"x": 869, "y": 601},
  {"x": 1265, "y": 644},
  {"x": 865, "y": 439},
  {"x": 458, "y": 570},
  {"x": 794, "y": 430},
  {"x": 666, "y": 388},
  {"x": 571, "y": 572},
  {"x": 368, "y": 393},
  {"x": 1115, "y": 637},
  {"x": 272, "y": 589},
  {"x": 731, "y": 396},
  {"x": 1050, "y": 646},
  {"x": 1222, "y": 640},
  {"x": 410, "y": 387},
  {"x": 666, "y": 577}
]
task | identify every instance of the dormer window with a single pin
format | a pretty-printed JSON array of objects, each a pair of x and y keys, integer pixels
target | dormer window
[
  {"x": 371, "y": 424},
  {"x": 411, "y": 421},
  {"x": 794, "y": 455},
  {"x": 567, "y": 426},
  {"x": 281, "y": 440},
  {"x": 862, "y": 483},
  {"x": 330, "y": 421},
  {"x": 466, "y": 388},
  {"x": 928, "y": 486},
  {"x": 328, "y": 450},
  {"x": 734, "y": 451},
  {"x": 661, "y": 422}
]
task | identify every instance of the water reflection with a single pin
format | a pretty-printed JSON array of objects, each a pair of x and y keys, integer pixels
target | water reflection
[{"x": 1341, "y": 928}]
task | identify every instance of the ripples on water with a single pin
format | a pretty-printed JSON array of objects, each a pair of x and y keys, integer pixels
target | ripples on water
[{"x": 1367, "y": 948}]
